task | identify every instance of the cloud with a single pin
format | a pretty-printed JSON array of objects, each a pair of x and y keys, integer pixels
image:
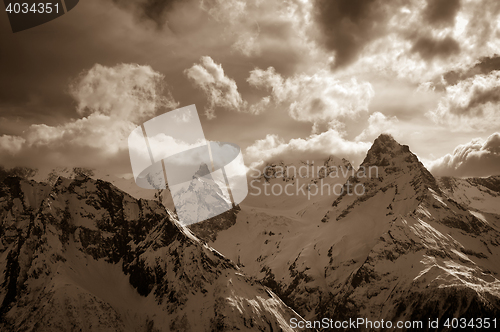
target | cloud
[
  {"x": 154, "y": 10},
  {"x": 260, "y": 106},
  {"x": 347, "y": 26},
  {"x": 429, "y": 48},
  {"x": 112, "y": 101},
  {"x": 412, "y": 40},
  {"x": 11, "y": 144},
  {"x": 378, "y": 123},
  {"x": 441, "y": 11},
  {"x": 277, "y": 33},
  {"x": 484, "y": 65},
  {"x": 313, "y": 98},
  {"x": 125, "y": 91},
  {"x": 221, "y": 91},
  {"x": 478, "y": 158},
  {"x": 471, "y": 104},
  {"x": 316, "y": 146},
  {"x": 224, "y": 10}
]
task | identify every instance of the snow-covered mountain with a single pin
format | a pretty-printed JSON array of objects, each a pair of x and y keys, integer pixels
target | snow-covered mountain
[
  {"x": 297, "y": 188},
  {"x": 389, "y": 242},
  {"x": 289, "y": 189},
  {"x": 400, "y": 249},
  {"x": 482, "y": 194},
  {"x": 203, "y": 197},
  {"x": 126, "y": 184},
  {"x": 81, "y": 255}
]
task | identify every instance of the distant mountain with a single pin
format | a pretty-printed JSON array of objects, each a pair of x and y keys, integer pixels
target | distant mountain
[
  {"x": 401, "y": 249},
  {"x": 203, "y": 196},
  {"x": 284, "y": 188},
  {"x": 81, "y": 255},
  {"x": 482, "y": 194}
]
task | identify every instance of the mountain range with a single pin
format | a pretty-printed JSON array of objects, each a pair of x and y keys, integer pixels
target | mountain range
[
  {"x": 411, "y": 247},
  {"x": 77, "y": 252}
]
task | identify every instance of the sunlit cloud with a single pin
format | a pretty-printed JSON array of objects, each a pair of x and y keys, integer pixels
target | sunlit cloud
[
  {"x": 471, "y": 104},
  {"x": 477, "y": 158},
  {"x": 378, "y": 123},
  {"x": 313, "y": 98},
  {"x": 220, "y": 90},
  {"x": 112, "y": 102},
  {"x": 313, "y": 147}
]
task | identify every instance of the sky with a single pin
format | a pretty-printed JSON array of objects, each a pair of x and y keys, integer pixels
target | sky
[{"x": 281, "y": 79}]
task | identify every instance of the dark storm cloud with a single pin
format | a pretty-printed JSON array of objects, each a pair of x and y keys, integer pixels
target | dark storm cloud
[
  {"x": 471, "y": 104},
  {"x": 485, "y": 65},
  {"x": 477, "y": 100},
  {"x": 154, "y": 10},
  {"x": 488, "y": 64},
  {"x": 348, "y": 25},
  {"x": 481, "y": 97},
  {"x": 430, "y": 48},
  {"x": 439, "y": 12}
]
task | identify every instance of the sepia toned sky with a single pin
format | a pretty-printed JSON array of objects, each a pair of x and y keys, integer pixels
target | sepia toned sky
[{"x": 281, "y": 79}]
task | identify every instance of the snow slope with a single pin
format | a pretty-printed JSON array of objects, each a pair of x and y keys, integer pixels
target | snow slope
[{"x": 482, "y": 194}]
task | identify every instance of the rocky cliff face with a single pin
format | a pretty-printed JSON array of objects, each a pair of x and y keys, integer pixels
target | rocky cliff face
[
  {"x": 401, "y": 249},
  {"x": 83, "y": 255}
]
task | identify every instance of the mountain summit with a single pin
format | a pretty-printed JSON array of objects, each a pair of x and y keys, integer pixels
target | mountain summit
[
  {"x": 384, "y": 149},
  {"x": 392, "y": 157},
  {"x": 388, "y": 166}
]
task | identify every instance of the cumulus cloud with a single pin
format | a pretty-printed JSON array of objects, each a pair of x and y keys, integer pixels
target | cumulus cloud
[
  {"x": 330, "y": 142},
  {"x": 471, "y": 104},
  {"x": 378, "y": 123},
  {"x": 313, "y": 98},
  {"x": 484, "y": 65},
  {"x": 476, "y": 158},
  {"x": 221, "y": 91},
  {"x": 281, "y": 32},
  {"x": 127, "y": 91},
  {"x": 112, "y": 102}
]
